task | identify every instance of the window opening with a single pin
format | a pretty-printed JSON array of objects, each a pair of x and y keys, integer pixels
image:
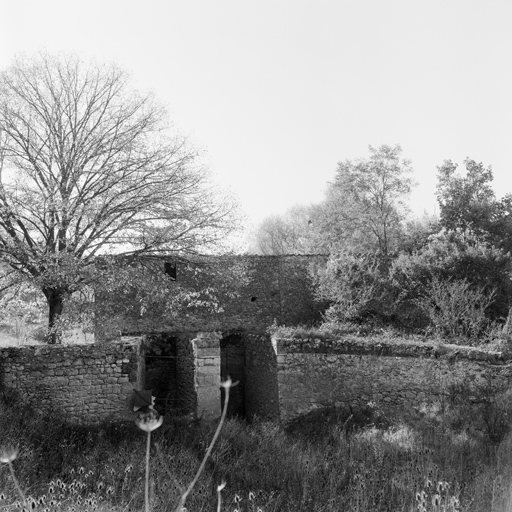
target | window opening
[{"x": 170, "y": 270}]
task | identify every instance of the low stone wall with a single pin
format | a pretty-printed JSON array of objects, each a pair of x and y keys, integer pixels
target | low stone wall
[
  {"x": 314, "y": 373},
  {"x": 279, "y": 378},
  {"x": 82, "y": 383}
]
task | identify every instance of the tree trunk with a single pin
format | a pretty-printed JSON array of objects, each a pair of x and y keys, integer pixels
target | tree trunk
[{"x": 55, "y": 299}]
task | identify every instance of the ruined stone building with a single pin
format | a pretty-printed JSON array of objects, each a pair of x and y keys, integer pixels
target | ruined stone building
[
  {"x": 186, "y": 355},
  {"x": 183, "y": 355}
]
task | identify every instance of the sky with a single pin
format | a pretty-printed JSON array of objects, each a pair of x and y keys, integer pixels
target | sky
[{"x": 278, "y": 92}]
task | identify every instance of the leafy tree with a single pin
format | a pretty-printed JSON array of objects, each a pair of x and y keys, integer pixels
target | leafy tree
[
  {"x": 290, "y": 233},
  {"x": 469, "y": 203},
  {"x": 365, "y": 205},
  {"x": 417, "y": 232},
  {"x": 90, "y": 166}
]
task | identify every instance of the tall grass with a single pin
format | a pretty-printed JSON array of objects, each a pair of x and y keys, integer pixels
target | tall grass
[{"x": 331, "y": 460}]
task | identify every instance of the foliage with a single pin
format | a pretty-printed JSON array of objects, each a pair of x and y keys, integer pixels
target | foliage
[
  {"x": 357, "y": 287},
  {"x": 469, "y": 203},
  {"x": 456, "y": 285},
  {"x": 90, "y": 166},
  {"x": 417, "y": 232},
  {"x": 456, "y": 256},
  {"x": 456, "y": 309},
  {"x": 488, "y": 415},
  {"x": 365, "y": 205},
  {"x": 141, "y": 290},
  {"x": 22, "y": 307}
]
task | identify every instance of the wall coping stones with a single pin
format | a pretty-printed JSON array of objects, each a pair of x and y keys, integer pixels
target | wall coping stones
[{"x": 396, "y": 348}]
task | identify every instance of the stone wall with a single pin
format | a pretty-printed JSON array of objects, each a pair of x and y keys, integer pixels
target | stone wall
[
  {"x": 88, "y": 384},
  {"x": 271, "y": 288},
  {"x": 82, "y": 383},
  {"x": 314, "y": 373},
  {"x": 279, "y": 378}
]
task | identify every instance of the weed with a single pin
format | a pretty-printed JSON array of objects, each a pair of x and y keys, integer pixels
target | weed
[{"x": 331, "y": 460}]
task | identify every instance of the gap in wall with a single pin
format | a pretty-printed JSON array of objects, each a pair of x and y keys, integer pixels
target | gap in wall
[{"x": 232, "y": 364}]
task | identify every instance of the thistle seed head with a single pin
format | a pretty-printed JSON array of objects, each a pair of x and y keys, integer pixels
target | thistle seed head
[
  {"x": 148, "y": 419},
  {"x": 8, "y": 453}
]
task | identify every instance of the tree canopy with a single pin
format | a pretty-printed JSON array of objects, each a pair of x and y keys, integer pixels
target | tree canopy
[
  {"x": 469, "y": 203},
  {"x": 366, "y": 202},
  {"x": 90, "y": 166}
]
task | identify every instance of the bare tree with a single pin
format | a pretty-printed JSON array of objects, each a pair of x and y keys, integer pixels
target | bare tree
[{"x": 90, "y": 166}]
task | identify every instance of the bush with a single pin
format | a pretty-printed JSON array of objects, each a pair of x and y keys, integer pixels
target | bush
[
  {"x": 357, "y": 287},
  {"x": 483, "y": 410},
  {"x": 455, "y": 309},
  {"x": 456, "y": 272}
]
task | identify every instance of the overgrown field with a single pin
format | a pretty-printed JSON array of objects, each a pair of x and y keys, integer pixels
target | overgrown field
[{"x": 446, "y": 459}]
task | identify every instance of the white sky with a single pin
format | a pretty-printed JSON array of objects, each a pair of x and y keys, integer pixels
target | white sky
[{"x": 279, "y": 91}]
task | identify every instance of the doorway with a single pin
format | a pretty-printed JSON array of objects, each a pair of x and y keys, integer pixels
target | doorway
[{"x": 232, "y": 364}]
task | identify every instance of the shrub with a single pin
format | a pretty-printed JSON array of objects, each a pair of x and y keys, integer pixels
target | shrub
[
  {"x": 357, "y": 287},
  {"x": 455, "y": 309},
  {"x": 473, "y": 267}
]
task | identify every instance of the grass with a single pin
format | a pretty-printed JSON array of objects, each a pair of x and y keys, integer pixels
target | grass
[{"x": 330, "y": 460}]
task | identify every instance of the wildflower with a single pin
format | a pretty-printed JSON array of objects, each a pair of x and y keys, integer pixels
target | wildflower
[
  {"x": 237, "y": 499},
  {"x": 8, "y": 454},
  {"x": 251, "y": 495},
  {"x": 221, "y": 485},
  {"x": 128, "y": 469}
]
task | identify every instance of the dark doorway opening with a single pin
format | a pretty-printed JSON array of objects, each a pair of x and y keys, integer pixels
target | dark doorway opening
[
  {"x": 232, "y": 364},
  {"x": 161, "y": 375},
  {"x": 170, "y": 373}
]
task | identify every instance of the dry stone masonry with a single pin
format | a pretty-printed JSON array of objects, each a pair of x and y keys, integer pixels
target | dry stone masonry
[
  {"x": 277, "y": 378},
  {"x": 80, "y": 383},
  {"x": 314, "y": 373}
]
